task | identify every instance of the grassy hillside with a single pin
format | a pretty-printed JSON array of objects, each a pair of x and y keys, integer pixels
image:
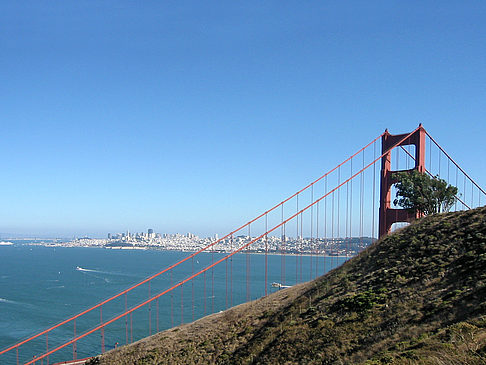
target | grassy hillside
[{"x": 415, "y": 297}]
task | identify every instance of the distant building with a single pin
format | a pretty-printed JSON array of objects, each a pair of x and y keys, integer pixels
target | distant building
[{"x": 109, "y": 236}]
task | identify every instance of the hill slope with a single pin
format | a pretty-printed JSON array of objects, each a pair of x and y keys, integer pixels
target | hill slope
[{"x": 416, "y": 297}]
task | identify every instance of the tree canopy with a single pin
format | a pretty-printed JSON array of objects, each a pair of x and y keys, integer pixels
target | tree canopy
[{"x": 423, "y": 194}]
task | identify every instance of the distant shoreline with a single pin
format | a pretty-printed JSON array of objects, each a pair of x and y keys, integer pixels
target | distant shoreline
[{"x": 148, "y": 248}]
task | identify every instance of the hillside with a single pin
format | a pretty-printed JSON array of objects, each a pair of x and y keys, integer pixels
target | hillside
[{"x": 416, "y": 297}]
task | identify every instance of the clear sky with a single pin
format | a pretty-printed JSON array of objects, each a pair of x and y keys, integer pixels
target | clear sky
[{"x": 190, "y": 116}]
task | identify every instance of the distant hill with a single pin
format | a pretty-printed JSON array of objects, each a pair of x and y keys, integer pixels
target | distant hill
[{"x": 416, "y": 297}]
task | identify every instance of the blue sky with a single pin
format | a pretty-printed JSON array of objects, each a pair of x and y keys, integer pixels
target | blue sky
[{"x": 194, "y": 117}]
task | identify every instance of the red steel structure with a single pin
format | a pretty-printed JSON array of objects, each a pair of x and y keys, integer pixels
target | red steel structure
[
  {"x": 340, "y": 208},
  {"x": 389, "y": 215}
]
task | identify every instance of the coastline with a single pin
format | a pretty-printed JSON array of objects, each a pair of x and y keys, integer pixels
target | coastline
[{"x": 152, "y": 248}]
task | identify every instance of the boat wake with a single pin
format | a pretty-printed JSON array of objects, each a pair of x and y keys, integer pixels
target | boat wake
[
  {"x": 81, "y": 269},
  {"x": 13, "y": 302},
  {"x": 87, "y": 271},
  {"x": 3, "y": 300},
  {"x": 56, "y": 287}
]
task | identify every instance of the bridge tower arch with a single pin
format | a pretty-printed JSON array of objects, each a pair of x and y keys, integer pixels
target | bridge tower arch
[{"x": 387, "y": 214}]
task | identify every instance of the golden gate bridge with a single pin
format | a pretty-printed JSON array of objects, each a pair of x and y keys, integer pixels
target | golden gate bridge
[{"x": 346, "y": 204}]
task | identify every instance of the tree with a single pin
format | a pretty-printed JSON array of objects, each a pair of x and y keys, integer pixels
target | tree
[{"x": 423, "y": 194}]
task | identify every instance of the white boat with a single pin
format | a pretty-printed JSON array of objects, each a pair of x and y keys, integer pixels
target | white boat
[
  {"x": 3, "y": 243},
  {"x": 280, "y": 286}
]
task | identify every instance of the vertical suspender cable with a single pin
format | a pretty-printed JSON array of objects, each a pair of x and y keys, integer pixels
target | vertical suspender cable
[
  {"x": 472, "y": 195},
  {"x": 351, "y": 201},
  {"x": 338, "y": 205},
  {"x": 171, "y": 302},
  {"x": 226, "y": 283},
  {"x": 205, "y": 295},
  {"x": 149, "y": 310},
  {"x": 457, "y": 179},
  {"x": 157, "y": 303},
  {"x": 266, "y": 254},
  {"x": 311, "y": 231},
  {"x": 332, "y": 228},
  {"x": 479, "y": 197},
  {"x": 326, "y": 241},
  {"x": 212, "y": 281},
  {"x": 182, "y": 304},
  {"x": 296, "y": 243},
  {"x": 282, "y": 241},
  {"x": 465, "y": 184},
  {"x": 249, "y": 264},
  {"x": 283, "y": 251},
  {"x": 75, "y": 343},
  {"x": 47, "y": 347},
  {"x": 362, "y": 202},
  {"x": 438, "y": 152},
  {"x": 231, "y": 271},
  {"x": 102, "y": 331},
  {"x": 192, "y": 288},
  {"x": 374, "y": 195},
  {"x": 317, "y": 240},
  {"x": 126, "y": 322},
  {"x": 448, "y": 169},
  {"x": 347, "y": 220},
  {"x": 448, "y": 173},
  {"x": 247, "y": 257},
  {"x": 301, "y": 242}
]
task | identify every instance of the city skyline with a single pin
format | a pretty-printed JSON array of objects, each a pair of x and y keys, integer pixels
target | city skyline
[{"x": 196, "y": 118}]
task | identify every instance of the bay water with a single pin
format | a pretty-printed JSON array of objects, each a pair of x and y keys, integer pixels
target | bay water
[{"x": 41, "y": 286}]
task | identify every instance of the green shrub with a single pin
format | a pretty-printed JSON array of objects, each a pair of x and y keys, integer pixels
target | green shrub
[{"x": 361, "y": 302}]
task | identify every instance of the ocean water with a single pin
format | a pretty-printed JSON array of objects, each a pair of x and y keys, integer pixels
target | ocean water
[{"x": 41, "y": 286}]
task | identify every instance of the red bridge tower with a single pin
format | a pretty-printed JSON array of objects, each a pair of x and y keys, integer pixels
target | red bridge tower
[{"x": 388, "y": 215}]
